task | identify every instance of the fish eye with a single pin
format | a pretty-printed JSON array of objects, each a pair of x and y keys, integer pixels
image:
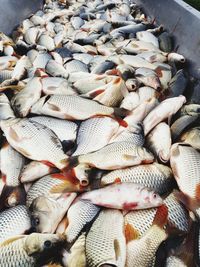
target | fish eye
[
  {"x": 154, "y": 195},
  {"x": 35, "y": 221},
  {"x": 47, "y": 244}
]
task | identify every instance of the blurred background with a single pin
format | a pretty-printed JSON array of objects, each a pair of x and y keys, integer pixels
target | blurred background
[{"x": 194, "y": 3}]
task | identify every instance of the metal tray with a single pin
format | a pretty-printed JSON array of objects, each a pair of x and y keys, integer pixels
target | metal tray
[
  {"x": 12, "y": 12},
  {"x": 183, "y": 22}
]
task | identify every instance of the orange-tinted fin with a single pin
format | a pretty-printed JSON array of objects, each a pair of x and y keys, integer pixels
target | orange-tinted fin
[
  {"x": 161, "y": 216},
  {"x": 130, "y": 233}
]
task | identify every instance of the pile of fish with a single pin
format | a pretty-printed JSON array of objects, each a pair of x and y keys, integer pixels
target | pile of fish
[{"x": 100, "y": 140}]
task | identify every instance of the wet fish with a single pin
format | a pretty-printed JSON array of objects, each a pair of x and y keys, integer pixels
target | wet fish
[
  {"x": 127, "y": 196},
  {"x": 25, "y": 136},
  {"x": 71, "y": 107},
  {"x": 155, "y": 176},
  {"x": 186, "y": 174},
  {"x": 159, "y": 141},
  {"x": 115, "y": 156},
  {"x": 163, "y": 111}
]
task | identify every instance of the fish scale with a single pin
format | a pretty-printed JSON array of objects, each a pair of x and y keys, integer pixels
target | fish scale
[
  {"x": 155, "y": 176},
  {"x": 65, "y": 130},
  {"x": 94, "y": 134},
  {"x": 79, "y": 215},
  {"x": 16, "y": 259},
  {"x": 117, "y": 155},
  {"x": 14, "y": 221},
  {"x": 105, "y": 244},
  {"x": 42, "y": 187}
]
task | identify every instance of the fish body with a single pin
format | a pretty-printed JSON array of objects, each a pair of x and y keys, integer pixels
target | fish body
[
  {"x": 163, "y": 111},
  {"x": 70, "y": 107},
  {"x": 94, "y": 134},
  {"x": 26, "y": 137},
  {"x": 186, "y": 174},
  {"x": 105, "y": 244},
  {"x": 5, "y": 108},
  {"x": 117, "y": 155},
  {"x": 155, "y": 176},
  {"x": 127, "y": 196}
]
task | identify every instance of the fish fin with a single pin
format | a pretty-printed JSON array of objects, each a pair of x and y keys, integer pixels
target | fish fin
[
  {"x": 130, "y": 233},
  {"x": 121, "y": 112},
  {"x": 161, "y": 216},
  {"x": 128, "y": 157},
  {"x": 117, "y": 249},
  {"x": 11, "y": 240},
  {"x": 61, "y": 188}
]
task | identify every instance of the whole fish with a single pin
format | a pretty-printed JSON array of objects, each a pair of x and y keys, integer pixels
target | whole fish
[
  {"x": 105, "y": 244},
  {"x": 159, "y": 141},
  {"x": 46, "y": 213},
  {"x": 34, "y": 141},
  {"x": 80, "y": 214},
  {"x": 71, "y": 107},
  {"x": 186, "y": 174},
  {"x": 94, "y": 134},
  {"x": 155, "y": 176},
  {"x": 140, "y": 252},
  {"x": 14, "y": 221},
  {"x": 127, "y": 196},
  {"x": 163, "y": 111},
  {"x": 23, "y": 250},
  {"x": 116, "y": 155}
]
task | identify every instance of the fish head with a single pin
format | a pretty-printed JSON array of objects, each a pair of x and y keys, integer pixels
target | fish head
[
  {"x": 150, "y": 198},
  {"x": 82, "y": 172},
  {"x": 44, "y": 214},
  {"x": 37, "y": 244}
]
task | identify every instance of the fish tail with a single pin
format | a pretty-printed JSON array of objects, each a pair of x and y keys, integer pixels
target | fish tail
[
  {"x": 161, "y": 216},
  {"x": 12, "y": 196}
]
